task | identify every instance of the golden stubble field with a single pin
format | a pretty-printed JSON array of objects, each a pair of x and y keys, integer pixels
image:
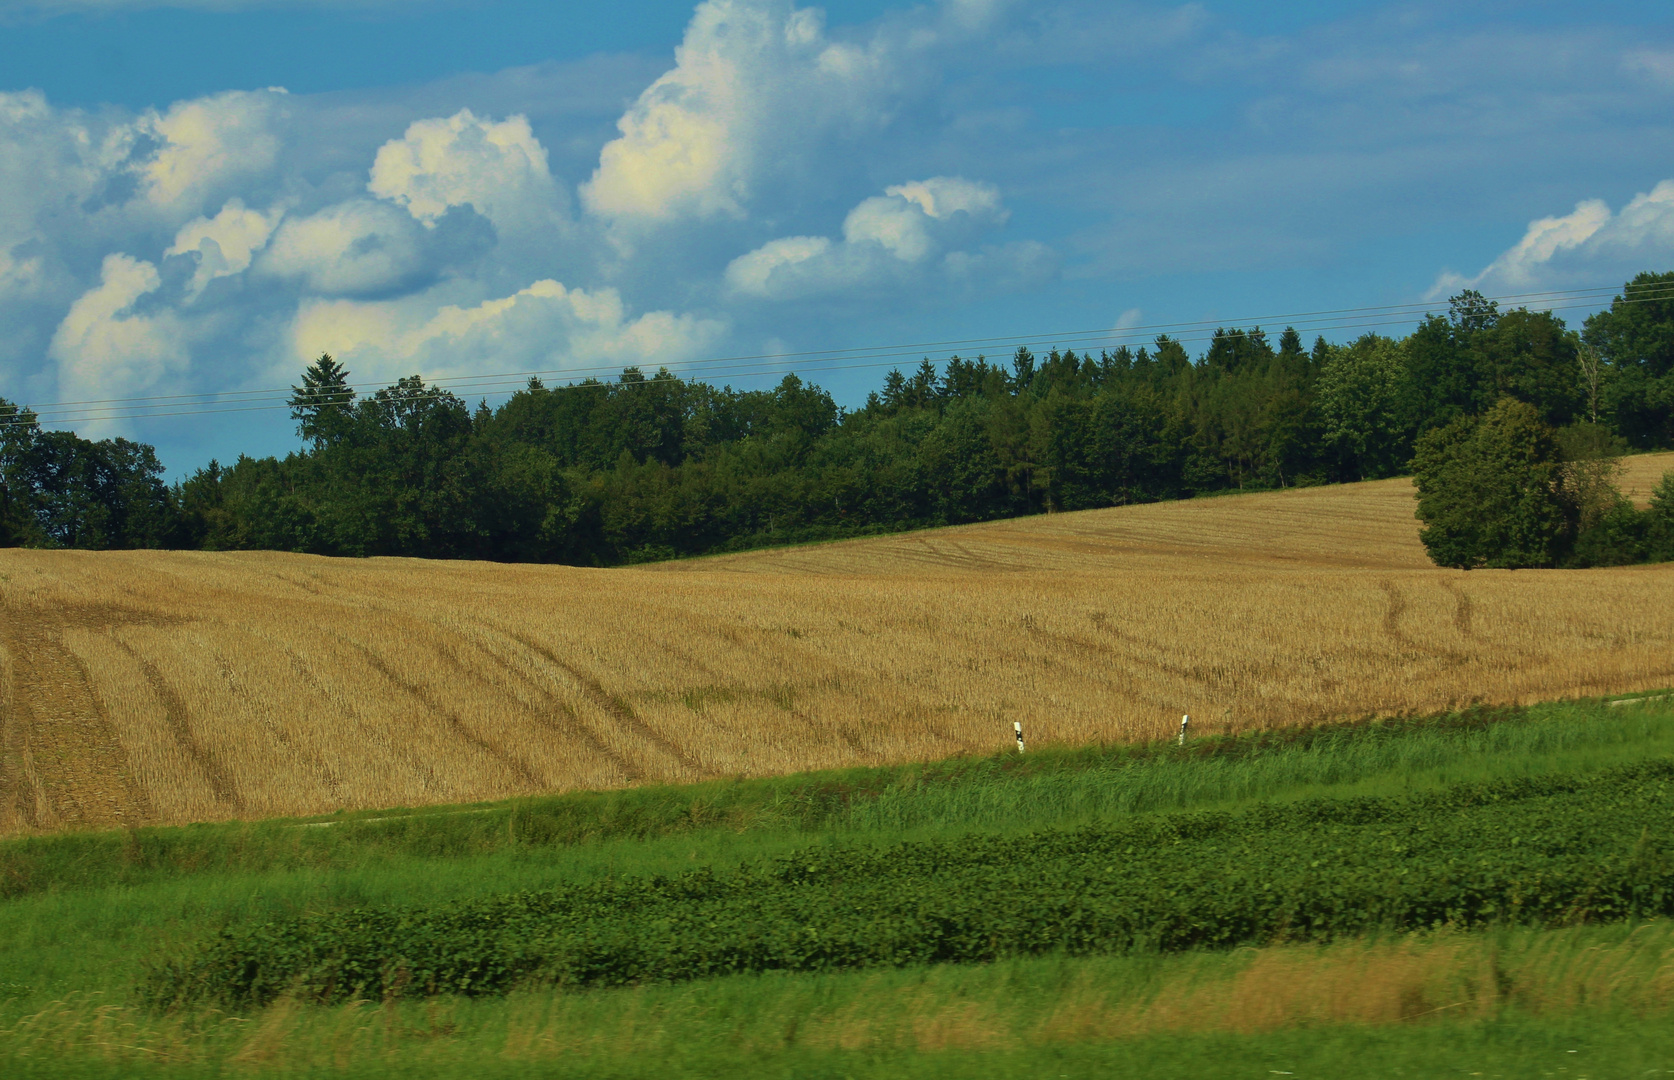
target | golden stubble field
[{"x": 140, "y": 687}]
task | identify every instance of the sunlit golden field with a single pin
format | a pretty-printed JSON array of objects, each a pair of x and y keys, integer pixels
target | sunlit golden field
[{"x": 171, "y": 687}]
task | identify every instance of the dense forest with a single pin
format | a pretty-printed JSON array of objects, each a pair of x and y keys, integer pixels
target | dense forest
[{"x": 653, "y": 466}]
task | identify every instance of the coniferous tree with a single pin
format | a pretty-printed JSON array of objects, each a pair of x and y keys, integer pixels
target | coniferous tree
[{"x": 321, "y": 405}]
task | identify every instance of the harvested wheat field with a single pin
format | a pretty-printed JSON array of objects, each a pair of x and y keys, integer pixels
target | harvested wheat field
[{"x": 142, "y": 687}]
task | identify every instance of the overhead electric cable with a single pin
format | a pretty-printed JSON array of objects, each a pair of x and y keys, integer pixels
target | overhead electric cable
[
  {"x": 817, "y": 361},
  {"x": 900, "y": 349}
]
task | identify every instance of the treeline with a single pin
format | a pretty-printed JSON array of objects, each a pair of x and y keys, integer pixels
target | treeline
[{"x": 654, "y": 466}]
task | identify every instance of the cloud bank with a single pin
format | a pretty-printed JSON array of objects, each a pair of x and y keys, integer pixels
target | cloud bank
[
  {"x": 222, "y": 241},
  {"x": 784, "y": 182}
]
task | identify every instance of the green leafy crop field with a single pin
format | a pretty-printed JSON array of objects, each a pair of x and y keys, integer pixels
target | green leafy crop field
[{"x": 1547, "y": 851}]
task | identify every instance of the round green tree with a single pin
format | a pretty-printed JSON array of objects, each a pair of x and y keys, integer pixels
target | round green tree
[{"x": 1491, "y": 491}]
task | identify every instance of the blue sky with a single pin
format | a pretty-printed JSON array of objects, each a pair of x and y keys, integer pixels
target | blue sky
[{"x": 195, "y": 198}]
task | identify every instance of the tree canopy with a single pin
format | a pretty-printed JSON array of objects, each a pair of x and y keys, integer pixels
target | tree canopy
[
  {"x": 649, "y": 465},
  {"x": 1491, "y": 492}
]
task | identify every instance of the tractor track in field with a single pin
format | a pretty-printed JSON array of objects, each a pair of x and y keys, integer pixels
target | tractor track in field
[
  {"x": 611, "y": 705},
  {"x": 61, "y": 763}
]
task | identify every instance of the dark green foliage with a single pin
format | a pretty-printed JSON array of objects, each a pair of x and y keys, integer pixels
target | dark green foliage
[
  {"x": 1361, "y": 388},
  {"x": 1446, "y": 378},
  {"x": 18, "y": 430},
  {"x": 1659, "y": 522},
  {"x": 1490, "y": 491},
  {"x": 1635, "y": 340},
  {"x": 58, "y": 490},
  {"x": 321, "y": 405},
  {"x": 1620, "y": 537},
  {"x": 1530, "y": 356},
  {"x": 651, "y": 466},
  {"x": 1546, "y": 851}
]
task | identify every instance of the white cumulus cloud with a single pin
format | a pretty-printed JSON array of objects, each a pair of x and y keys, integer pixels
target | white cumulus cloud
[
  {"x": 105, "y": 348},
  {"x": 51, "y": 165},
  {"x": 498, "y": 169},
  {"x": 753, "y": 82},
  {"x": 751, "y": 274},
  {"x": 356, "y": 247},
  {"x": 543, "y": 326},
  {"x": 223, "y": 244},
  {"x": 204, "y": 143},
  {"x": 909, "y": 219},
  {"x": 914, "y": 232},
  {"x": 1588, "y": 241}
]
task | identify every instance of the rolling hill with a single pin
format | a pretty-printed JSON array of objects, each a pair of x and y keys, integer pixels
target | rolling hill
[{"x": 168, "y": 687}]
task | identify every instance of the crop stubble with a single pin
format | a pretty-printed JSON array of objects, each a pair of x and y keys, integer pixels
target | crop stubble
[{"x": 141, "y": 687}]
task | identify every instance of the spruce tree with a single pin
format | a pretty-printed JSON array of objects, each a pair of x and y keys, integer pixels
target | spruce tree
[{"x": 321, "y": 404}]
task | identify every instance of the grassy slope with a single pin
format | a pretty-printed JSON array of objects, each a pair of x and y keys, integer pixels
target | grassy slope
[{"x": 86, "y": 911}]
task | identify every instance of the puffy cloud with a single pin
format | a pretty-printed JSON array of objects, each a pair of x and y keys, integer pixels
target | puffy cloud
[
  {"x": 32, "y": 142},
  {"x": 196, "y": 146},
  {"x": 72, "y": 180},
  {"x": 224, "y": 244},
  {"x": 105, "y": 347},
  {"x": 1545, "y": 238},
  {"x": 753, "y": 79},
  {"x": 1646, "y": 223},
  {"x": 498, "y": 169},
  {"x": 352, "y": 248},
  {"x": 911, "y": 233},
  {"x": 1586, "y": 241},
  {"x": 907, "y": 218},
  {"x": 751, "y": 274},
  {"x": 544, "y": 326},
  {"x": 941, "y": 197}
]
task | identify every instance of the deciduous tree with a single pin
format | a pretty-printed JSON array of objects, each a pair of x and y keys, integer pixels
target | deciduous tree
[{"x": 1490, "y": 491}]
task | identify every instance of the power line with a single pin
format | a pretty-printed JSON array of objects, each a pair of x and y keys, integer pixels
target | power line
[
  {"x": 874, "y": 352},
  {"x": 1144, "y": 330},
  {"x": 754, "y": 365}
]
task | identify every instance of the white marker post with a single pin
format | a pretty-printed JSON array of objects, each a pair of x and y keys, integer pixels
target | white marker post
[
  {"x": 1018, "y": 726},
  {"x": 1184, "y": 720}
]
